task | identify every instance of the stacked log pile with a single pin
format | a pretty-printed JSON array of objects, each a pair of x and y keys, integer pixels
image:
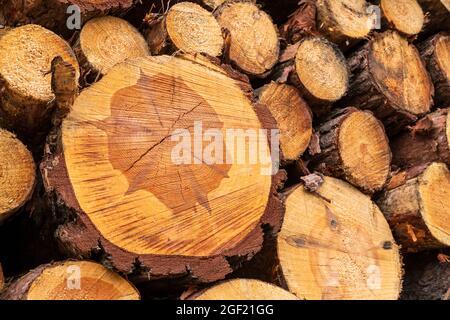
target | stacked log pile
[{"x": 227, "y": 149}]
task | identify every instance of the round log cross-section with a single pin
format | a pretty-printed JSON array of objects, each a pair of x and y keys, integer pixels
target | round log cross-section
[
  {"x": 70, "y": 280},
  {"x": 336, "y": 244},
  {"x": 147, "y": 162}
]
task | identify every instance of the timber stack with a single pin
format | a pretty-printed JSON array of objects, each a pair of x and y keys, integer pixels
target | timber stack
[{"x": 229, "y": 149}]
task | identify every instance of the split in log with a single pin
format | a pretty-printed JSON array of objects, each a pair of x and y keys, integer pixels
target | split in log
[
  {"x": 336, "y": 244},
  {"x": 390, "y": 79},
  {"x": 436, "y": 54},
  {"x": 244, "y": 289},
  {"x": 253, "y": 38},
  {"x": 344, "y": 21},
  {"x": 17, "y": 174},
  {"x": 60, "y": 15},
  {"x": 132, "y": 181},
  {"x": 26, "y": 54},
  {"x": 426, "y": 278},
  {"x": 213, "y": 4},
  {"x": 405, "y": 16},
  {"x": 354, "y": 147},
  {"x": 437, "y": 15},
  {"x": 417, "y": 208},
  {"x": 426, "y": 142},
  {"x": 70, "y": 280},
  {"x": 318, "y": 68},
  {"x": 186, "y": 27},
  {"x": 106, "y": 41},
  {"x": 292, "y": 115}
]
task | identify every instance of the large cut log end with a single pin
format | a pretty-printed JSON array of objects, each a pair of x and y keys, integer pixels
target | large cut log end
[
  {"x": 71, "y": 280},
  {"x": 17, "y": 174},
  {"x": 336, "y": 244},
  {"x": 154, "y": 166}
]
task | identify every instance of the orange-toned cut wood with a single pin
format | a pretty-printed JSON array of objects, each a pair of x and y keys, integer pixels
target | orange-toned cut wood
[
  {"x": 293, "y": 116},
  {"x": 406, "y": 16},
  {"x": 336, "y": 244},
  {"x": 147, "y": 164},
  {"x": 17, "y": 174},
  {"x": 71, "y": 280},
  {"x": 26, "y": 54},
  {"x": 106, "y": 41},
  {"x": 253, "y": 39},
  {"x": 244, "y": 289}
]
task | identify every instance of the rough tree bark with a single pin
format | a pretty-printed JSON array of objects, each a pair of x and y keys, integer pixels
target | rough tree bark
[
  {"x": 17, "y": 174},
  {"x": 104, "y": 42},
  {"x": 185, "y": 27},
  {"x": 27, "y": 100},
  {"x": 426, "y": 142},
  {"x": 416, "y": 205},
  {"x": 54, "y": 14},
  {"x": 293, "y": 117},
  {"x": 436, "y": 53},
  {"x": 336, "y": 244},
  {"x": 426, "y": 278},
  {"x": 344, "y": 22},
  {"x": 152, "y": 203},
  {"x": 390, "y": 79},
  {"x": 353, "y": 146},
  {"x": 317, "y": 67},
  {"x": 251, "y": 41},
  {"x": 437, "y": 15},
  {"x": 70, "y": 280}
]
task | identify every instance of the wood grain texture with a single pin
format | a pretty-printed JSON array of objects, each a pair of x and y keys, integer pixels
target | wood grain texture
[
  {"x": 26, "y": 54},
  {"x": 293, "y": 117},
  {"x": 244, "y": 289},
  {"x": 70, "y": 280},
  {"x": 390, "y": 79},
  {"x": 173, "y": 218},
  {"x": 336, "y": 244},
  {"x": 17, "y": 174},
  {"x": 254, "y": 46},
  {"x": 354, "y": 146},
  {"x": 405, "y": 16},
  {"x": 107, "y": 41}
]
